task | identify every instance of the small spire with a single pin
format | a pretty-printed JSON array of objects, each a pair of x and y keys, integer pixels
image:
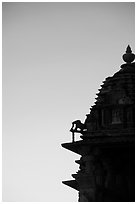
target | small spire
[
  {"x": 128, "y": 57},
  {"x": 128, "y": 50}
]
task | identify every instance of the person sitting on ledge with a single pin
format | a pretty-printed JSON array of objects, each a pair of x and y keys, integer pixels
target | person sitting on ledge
[{"x": 77, "y": 126}]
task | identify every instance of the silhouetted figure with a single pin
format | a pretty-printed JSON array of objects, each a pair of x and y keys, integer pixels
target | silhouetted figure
[{"x": 77, "y": 126}]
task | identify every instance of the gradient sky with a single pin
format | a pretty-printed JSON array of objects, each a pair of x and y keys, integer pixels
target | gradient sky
[{"x": 55, "y": 57}]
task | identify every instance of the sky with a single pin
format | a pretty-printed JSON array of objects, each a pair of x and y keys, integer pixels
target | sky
[{"x": 54, "y": 58}]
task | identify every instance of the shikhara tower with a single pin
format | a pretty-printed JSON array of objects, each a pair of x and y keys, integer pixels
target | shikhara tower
[{"x": 107, "y": 148}]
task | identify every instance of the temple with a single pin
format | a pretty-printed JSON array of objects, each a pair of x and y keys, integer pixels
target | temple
[{"x": 107, "y": 145}]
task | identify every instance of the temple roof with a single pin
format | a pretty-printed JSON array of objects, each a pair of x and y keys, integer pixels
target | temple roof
[
  {"x": 121, "y": 84},
  {"x": 111, "y": 120}
]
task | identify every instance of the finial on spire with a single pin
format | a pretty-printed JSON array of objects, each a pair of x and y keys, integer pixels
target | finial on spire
[
  {"x": 128, "y": 50},
  {"x": 128, "y": 57}
]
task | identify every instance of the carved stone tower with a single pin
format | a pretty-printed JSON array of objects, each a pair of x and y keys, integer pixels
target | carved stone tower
[{"x": 107, "y": 148}]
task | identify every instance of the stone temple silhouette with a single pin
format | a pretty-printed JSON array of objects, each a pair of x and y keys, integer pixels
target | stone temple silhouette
[{"x": 107, "y": 145}]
